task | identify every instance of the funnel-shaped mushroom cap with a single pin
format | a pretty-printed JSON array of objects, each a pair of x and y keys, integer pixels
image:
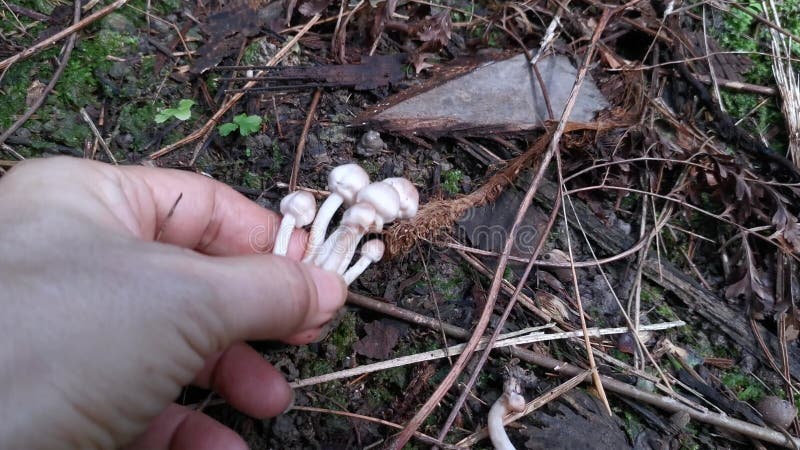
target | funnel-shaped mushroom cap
[
  {"x": 409, "y": 196},
  {"x": 384, "y": 198},
  {"x": 347, "y": 180},
  {"x": 301, "y": 205}
]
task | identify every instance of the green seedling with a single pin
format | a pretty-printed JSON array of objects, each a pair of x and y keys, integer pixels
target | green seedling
[
  {"x": 182, "y": 112},
  {"x": 246, "y": 125}
]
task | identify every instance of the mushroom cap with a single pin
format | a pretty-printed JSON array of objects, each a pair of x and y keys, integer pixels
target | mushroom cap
[
  {"x": 409, "y": 196},
  {"x": 347, "y": 180},
  {"x": 776, "y": 411},
  {"x": 359, "y": 216},
  {"x": 373, "y": 250},
  {"x": 516, "y": 402},
  {"x": 301, "y": 205},
  {"x": 384, "y": 198}
]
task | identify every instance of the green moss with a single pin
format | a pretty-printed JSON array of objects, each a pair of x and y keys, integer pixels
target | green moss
[
  {"x": 746, "y": 387},
  {"x": 137, "y": 120},
  {"x": 345, "y": 335},
  {"x": 252, "y": 180},
  {"x": 80, "y": 82}
]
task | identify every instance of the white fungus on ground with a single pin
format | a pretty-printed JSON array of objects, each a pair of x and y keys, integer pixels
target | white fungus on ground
[
  {"x": 298, "y": 209},
  {"x": 344, "y": 183}
]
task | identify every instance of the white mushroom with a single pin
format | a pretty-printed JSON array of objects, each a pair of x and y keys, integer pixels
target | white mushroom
[
  {"x": 298, "y": 209},
  {"x": 371, "y": 252},
  {"x": 355, "y": 222},
  {"x": 508, "y": 402},
  {"x": 409, "y": 196},
  {"x": 344, "y": 182},
  {"x": 386, "y": 201}
]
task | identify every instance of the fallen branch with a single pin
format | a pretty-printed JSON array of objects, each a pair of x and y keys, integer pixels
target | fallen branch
[{"x": 521, "y": 337}]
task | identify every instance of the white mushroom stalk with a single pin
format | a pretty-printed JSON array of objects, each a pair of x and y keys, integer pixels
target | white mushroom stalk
[
  {"x": 509, "y": 402},
  {"x": 355, "y": 223},
  {"x": 298, "y": 209},
  {"x": 371, "y": 252},
  {"x": 344, "y": 183},
  {"x": 386, "y": 202}
]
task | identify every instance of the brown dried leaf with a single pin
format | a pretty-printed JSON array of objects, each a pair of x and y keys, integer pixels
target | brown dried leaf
[
  {"x": 435, "y": 30},
  {"x": 380, "y": 340},
  {"x": 418, "y": 61},
  {"x": 312, "y": 7}
]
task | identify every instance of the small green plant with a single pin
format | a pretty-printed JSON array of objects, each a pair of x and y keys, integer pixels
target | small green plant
[
  {"x": 246, "y": 125},
  {"x": 182, "y": 112},
  {"x": 452, "y": 181}
]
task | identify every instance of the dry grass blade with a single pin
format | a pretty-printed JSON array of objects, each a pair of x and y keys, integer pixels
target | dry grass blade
[{"x": 787, "y": 80}]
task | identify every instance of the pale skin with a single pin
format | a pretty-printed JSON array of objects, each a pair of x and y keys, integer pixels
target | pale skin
[{"x": 102, "y": 326}]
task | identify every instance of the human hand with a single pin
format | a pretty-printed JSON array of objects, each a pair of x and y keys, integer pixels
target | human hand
[{"x": 102, "y": 326}]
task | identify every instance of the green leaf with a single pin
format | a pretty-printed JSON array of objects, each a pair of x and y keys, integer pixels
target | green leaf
[
  {"x": 227, "y": 128},
  {"x": 247, "y": 124},
  {"x": 163, "y": 115},
  {"x": 184, "y": 110}
]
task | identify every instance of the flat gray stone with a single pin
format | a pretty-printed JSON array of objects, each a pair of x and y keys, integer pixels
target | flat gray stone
[{"x": 497, "y": 96}]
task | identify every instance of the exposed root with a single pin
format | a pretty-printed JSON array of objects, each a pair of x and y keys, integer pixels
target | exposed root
[{"x": 436, "y": 218}]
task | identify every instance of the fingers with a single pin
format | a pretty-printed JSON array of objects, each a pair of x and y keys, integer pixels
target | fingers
[
  {"x": 247, "y": 382},
  {"x": 269, "y": 297},
  {"x": 179, "y": 428}
]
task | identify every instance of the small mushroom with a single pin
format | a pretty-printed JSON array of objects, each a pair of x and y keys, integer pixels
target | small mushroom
[
  {"x": 371, "y": 252},
  {"x": 507, "y": 403},
  {"x": 344, "y": 182},
  {"x": 298, "y": 209},
  {"x": 777, "y": 411},
  {"x": 409, "y": 196},
  {"x": 386, "y": 202},
  {"x": 355, "y": 222}
]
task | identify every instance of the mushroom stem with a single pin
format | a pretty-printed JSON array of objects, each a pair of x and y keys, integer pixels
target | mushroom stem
[
  {"x": 284, "y": 235},
  {"x": 508, "y": 402},
  {"x": 371, "y": 251},
  {"x": 317, "y": 234},
  {"x": 355, "y": 222}
]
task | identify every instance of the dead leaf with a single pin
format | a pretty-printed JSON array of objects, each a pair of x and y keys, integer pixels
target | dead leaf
[
  {"x": 312, "y": 7},
  {"x": 435, "y": 30},
  {"x": 35, "y": 91},
  {"x": 380, "y": 340},
  {"x": 418, "y": 61}
]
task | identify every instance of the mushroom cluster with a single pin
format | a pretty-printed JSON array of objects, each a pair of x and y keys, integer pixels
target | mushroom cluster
[{"x": 370, "y": 206}]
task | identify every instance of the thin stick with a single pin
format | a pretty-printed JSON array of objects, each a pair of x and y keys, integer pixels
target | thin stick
[
  {"x": 422, "y": 437},
  {"x": 53, "y": 80},
  {"x": 99, "y": 137},
  {"x": 61, "y": 35},
  {"x": 528, "y": 336},
  {"x": 227, "y": 105},
  {"x": 302, "y": 144}
]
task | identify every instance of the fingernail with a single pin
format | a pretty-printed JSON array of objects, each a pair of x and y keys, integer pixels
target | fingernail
[
  {"x": 291, "y": 404},
  {"x": 331, "y": 290}
]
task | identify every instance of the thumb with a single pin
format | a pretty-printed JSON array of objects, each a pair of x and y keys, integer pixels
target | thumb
[{"x": 270, "y": 297}]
